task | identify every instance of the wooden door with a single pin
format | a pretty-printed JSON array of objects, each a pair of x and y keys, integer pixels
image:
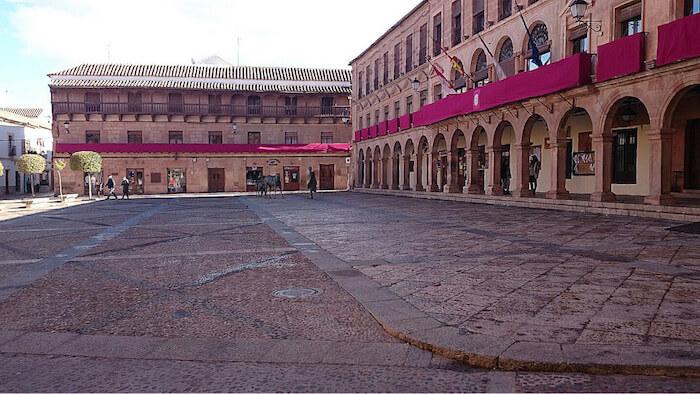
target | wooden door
[
  {"x": 216, "y": 180},
  {"x": 692, "y": 154},
  {"x": 326, "y": 177},
  {"x": 291, "y": 179}
]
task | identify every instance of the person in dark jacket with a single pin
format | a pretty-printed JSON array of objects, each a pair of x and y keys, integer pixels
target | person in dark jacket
[
  {"x": 125, "y": 188},
  {"x": 312, "y": 182},
  {"x": 110, "y": 188}
]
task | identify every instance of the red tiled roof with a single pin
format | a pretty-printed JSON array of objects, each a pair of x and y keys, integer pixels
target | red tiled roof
[{"x": 26, "y": 112}]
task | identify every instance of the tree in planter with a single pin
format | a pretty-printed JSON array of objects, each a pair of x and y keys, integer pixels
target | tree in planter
[
  {"x": 32, "y": 164},
  {"x": 59, "y": 165},
  {"x": 88, "y": 162}
]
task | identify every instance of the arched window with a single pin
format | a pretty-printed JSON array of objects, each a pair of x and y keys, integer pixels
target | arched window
[
  {"x": 457, "y": 75},
  {"x": 481, "y": 72},
  {"x": 506, "y": 59},
  {"x": 540, "y": 37}
]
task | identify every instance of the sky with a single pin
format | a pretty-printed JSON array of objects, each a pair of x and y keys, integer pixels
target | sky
[{"x": 42, "y": 36}]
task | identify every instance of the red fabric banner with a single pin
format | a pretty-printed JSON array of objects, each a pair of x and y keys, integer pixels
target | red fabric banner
[
  {"x": 405, "y": 122},
  {"x": 358, "y": 135},
  {"x": 364, "y": 133},
  {"x": 678, "y": 40},
  {"x": 451, "y": 106},
  {"x": 203, "y": 148},
  {"x": 383, "y": 128},
  {"x": 620, "y": 57},
  {"x": 393, "y": 126},
  {"x": 373, "y": 131}
]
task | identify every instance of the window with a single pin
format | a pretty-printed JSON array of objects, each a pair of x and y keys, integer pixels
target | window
[
  {"x": 397, "y": 109},
  {"x": 291, "y": 138},
  {"x": 437, "y": 92},
  {"x": 376, "y": 117},
  {"x": 579, "y": 40},
  {"x": 506, "y": 58},
  {"x": 540, "y": 36},
  {"x": 361, "y": 119},
  {"x": 692, "y": 7},
  {"x": 409, "y": 104},
  {"x": 134, "y": 137},
  {"x": 216, "y": 137},
  {"x": 175, "y": 102},
  {"x": 254, "y": 137},
  {"x": 175, "y": 137},
  {"x": 629, "y": 19},
  {"x": 359, "y": 85},
  {"x": 423, "y": 98},
  {"x": 386, "y": 112},
  {"x": 397, "y": 61},
  {"x": 625, "y": 156},
  {"x": 385, "y": 65},
  {"x": 327, "y": 106},
  {"x": 477, "y": 16},
  {"x": 369, "y": 122},
  {"x": 93, "y": 102},
  {"x": 437, "y": 34},
  {"x": 505, "y": 9},
  {"x": 290, "y": 103},
  {"x": 456, "y": 22},
  {"x": 376, "y": 74},
  {"x": 135, "y": 102},
  {"x": 481, "y": 72},
  {"x": 326, "y": 137},
  {"x": 409, "y": 53},
  {"x": 253, "y": 106},
  {"x": 92, "y": 137},
  {"x": 214, "y": 103},
  {"x": 423, "y": 44},
  {"x": 367, "y": 73},
  {"x": 177, "y": 180}
]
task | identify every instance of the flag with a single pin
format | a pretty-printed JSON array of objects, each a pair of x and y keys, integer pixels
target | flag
[
  {"x": 535, "y": 54},
  {"x": 500, "y": 73},
  {"x": 445, "y": 82}
]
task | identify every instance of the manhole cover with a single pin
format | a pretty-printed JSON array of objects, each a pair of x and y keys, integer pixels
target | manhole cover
[
  {"x": 296, "y": 292},
  {"x": 180, "y": 314}
]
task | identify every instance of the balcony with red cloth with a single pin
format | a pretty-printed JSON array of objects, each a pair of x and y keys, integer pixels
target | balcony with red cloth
[
  {"x": 678, "y": 40},
  {"x": 621, "y": 57},
  {"x": 203, "y": 148}
]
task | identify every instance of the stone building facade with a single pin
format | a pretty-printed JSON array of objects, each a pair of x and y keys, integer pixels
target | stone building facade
[
  {"x": 204, "y": 128},
  {"x": 614, "y": 109}
]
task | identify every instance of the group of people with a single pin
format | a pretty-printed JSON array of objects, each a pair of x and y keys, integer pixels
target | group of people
[
  {"x": 534, "y": 167},
  {"x": 111, "y": 186}
]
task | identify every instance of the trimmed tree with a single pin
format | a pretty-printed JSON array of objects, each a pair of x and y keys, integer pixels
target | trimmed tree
[
  {"x": 59, "y": 165},
  {"x": 32, "y": 164},
  {"x": 2, "y": 169},
  {"x": 88, "y": 162}
]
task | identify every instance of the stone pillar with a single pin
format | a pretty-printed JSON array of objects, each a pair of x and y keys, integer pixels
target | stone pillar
[
  {"x": 418, "y": 166},
  {"x": 375, "y": 174},
  {"x": 494, "y": 183},
  {"x": 660, "y": 167},
  {"x": 452, "y": 174},
  {"x": 557, "y": 189},
  {"x": 406, "y": 173},
  {"x": 368, "y": 173},
  {"x": 603, "y": 148},
  {"x": 472, "y": 186},
  {"x": 521, "y": 178},
  {"x": 433, "y": 172},
  {"x": 385, "y": 173},
  {"x": 395, "y": 172}
]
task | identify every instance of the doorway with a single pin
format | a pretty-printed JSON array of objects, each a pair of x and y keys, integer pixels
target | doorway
[
  {"x": 692, "y": 154},
  {"x": 252, "y": 174},
  {"x": 327, "y": 176},
  {"x": 291, "y": 178},
  {"x": 135, "y": 176},
  {"x": 217, "y": 180}
]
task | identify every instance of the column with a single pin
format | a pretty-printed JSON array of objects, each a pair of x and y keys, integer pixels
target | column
[
  {"x": 432, "y": 171},
  {"x": 385, "y": 173},
  {"x": 494, "y": 183},
  {"x": 452, "y": 173},
  {"x": 660, "y": 172},
  {"x": 521, "y": 178},
  {"x": 406, "y": 173},
  {"x": 395, "y": 172},
  {"x": 375, "y": 176},
  {"x": 418, "y": 166},
  {"x": 557, "y": 189},
  {"x": 473, "y": 186},
  {"x": 368, "y": 173},
  {"x": 603, "y": 148}
]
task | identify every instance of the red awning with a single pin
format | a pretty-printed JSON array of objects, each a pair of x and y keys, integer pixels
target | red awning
[
  {"x": 620, "y": 57},
  {"x": 678, "y": 40},
  {"x": 203, "y": 148},
  {"x": 405, "y": 122},
  {"x": 358, "y": 135},
  {"x": 393, "y": 126},
  {"x": 383, "y": 128}
]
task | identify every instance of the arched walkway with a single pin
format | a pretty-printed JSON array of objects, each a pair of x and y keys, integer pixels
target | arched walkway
[
  {"x": 576, "y": 138},
  {"x": 409, "y": 182},
  {"x": 531, "y": 152},
  {"x": 360, "y": 182},
  {"x": 456, "y": 177},
  {"x": 396, "y": 170},
  {"x": 422, "y": 165},
  {"x": 377, "y": 167},
  {"x": 438, "y": 161},
  {"x": 500, "y": 173},
  {"x": 386, "y": 157},
  {"x": 477, "y": 161},
  {"x": 368, "y": 168}
]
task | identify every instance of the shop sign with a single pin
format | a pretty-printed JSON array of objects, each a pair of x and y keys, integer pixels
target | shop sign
[{"x": 584, "y": 163}]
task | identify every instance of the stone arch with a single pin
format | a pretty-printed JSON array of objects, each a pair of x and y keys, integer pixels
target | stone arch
[
  {"x": 457, "y": 162},
  {"x": 438, "y": 164},
  {"x": 409, "y": 151},
  {"x": 396, "y": 159},
  {"x": 501, "y": 168},
  {"x": 422, "y": 163},
  {"x": 369, "y": 167},
  {"x": 479, "y": 67},
  {"x": 505, "y": 55},
  {"x": 386, "y": 158},
  {"x": 377, "y": 158},
  {"x": 477, "y": 160},
  {"x": 540, "y": 35},
  {"x": 360, "y": 168}
]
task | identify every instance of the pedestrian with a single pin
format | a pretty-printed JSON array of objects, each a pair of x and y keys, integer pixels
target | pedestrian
[
  {"x": 312, "y": 183},
  {"x": 110, "y": 188},
  {"x": 505, "y": 176},
  {"x": 534, "y": 171},
  {"x": 93, "y": 183},
  {"x": 125, "y": 188}
]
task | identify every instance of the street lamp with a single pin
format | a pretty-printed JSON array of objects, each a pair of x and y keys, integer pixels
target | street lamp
[
  {"x": 415, "y": 84},
  {"x": 577, "y": 8},
  {"x": 66, "y": 126}
]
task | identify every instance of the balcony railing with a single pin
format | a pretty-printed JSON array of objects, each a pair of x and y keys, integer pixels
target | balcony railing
[{"x": 273, "y": 111}]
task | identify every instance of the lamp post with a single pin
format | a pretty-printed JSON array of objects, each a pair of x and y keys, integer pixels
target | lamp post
[
  {"x": 578, "y": 8},
  {"x": 66, "y": 126},
  {"x": 415, "y": 84}
]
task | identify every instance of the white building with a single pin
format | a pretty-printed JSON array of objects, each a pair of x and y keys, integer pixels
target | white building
[{"x": 22, "y": 130}]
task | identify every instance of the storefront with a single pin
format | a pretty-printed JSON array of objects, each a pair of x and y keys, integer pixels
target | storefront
[{"x": 177, "y": 180}]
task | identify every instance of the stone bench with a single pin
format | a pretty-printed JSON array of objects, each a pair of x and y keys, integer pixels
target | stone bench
[
  {"x": 28, "y": 202},
  {"x": 69, "y": 197}
]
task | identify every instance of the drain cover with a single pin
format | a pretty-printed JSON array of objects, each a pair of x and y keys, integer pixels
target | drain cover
[
  {"x": 296, "y": 292},
  {"x": 180, "y": 314}
]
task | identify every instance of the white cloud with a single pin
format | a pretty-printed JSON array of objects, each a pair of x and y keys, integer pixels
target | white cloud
[{"x": 311, "y": 33}]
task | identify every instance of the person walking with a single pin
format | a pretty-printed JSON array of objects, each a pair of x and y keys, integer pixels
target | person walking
[
  {"x": 505, "y": 176},
  {"x": 125, "y": 188},
  {"x": 312, "y": 183},
  {"x": 534, "y": 171},
  {"x": 110, "y": 188}
]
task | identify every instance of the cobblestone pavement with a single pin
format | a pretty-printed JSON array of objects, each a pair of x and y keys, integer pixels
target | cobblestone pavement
[{"x": 177, "y": 295}]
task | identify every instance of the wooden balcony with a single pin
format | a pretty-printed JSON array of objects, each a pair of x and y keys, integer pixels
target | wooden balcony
[{"x": 264, "y": 111}]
